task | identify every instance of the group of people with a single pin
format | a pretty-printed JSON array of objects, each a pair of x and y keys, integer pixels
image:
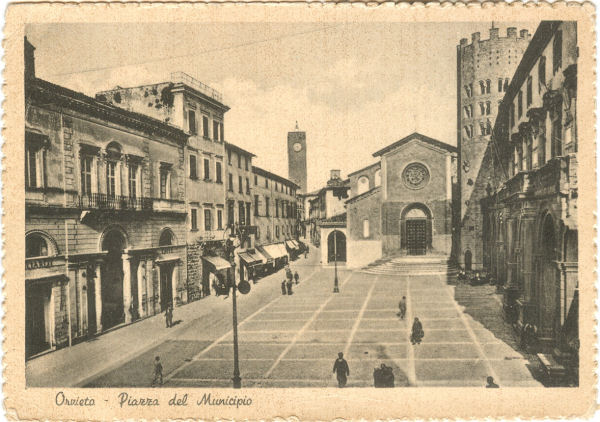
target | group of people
[
  {"x": 286, "y": 285},
  {"x": 417, "y": 333}
]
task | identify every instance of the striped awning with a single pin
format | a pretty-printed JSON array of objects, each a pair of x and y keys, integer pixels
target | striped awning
[
  {"x": 264, "y": 253},
  {"x": 249, "y": 258}
]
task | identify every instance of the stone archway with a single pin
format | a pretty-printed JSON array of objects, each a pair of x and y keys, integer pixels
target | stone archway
[
  {"x": 416, "y": 229},
  {"x": 336, "y": 246},
  {"x": 113, "y": 312}
]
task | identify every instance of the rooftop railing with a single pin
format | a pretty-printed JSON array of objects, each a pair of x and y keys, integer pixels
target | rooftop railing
[{"x": 184, "y": 78}]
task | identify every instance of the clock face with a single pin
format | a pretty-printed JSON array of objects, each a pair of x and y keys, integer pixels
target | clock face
[{"x": 297, "y": 146}]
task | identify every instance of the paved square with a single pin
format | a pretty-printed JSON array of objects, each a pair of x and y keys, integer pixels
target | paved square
[{"x": 294, "y": 341}]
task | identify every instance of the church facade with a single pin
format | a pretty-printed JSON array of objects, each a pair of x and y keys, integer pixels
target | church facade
[{"x": 402, "y": 205}]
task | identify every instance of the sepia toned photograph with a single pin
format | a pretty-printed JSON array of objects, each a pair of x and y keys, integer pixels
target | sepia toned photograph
[{"x": 234, "y": 208}]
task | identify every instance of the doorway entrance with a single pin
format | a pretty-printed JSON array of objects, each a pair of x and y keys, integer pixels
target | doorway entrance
[
  {"x": 91, "y": 300},
  {"x": 416, "y": 227},
  {"x": 468, "y": 260},
  {"x": 38, "y": 321},
  {"x": 336, "y": 246},
  {"x": 166, "y": 285},
  {"x": 416, "y": 236},
  {"x": 112, "y": 280}
]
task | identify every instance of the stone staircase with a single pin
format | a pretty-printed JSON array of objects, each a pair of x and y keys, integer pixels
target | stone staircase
[{"x": 433, "y": 264}]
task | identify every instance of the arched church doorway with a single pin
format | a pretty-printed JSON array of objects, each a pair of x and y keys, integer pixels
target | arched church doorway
[
  {"x": 416, "y": 229},
  {"x": 112, "y": 279},
  {"x": 336, "y": 246},
  {"x": 549, "y": 297},
  {"x": 468, "y": 260}
]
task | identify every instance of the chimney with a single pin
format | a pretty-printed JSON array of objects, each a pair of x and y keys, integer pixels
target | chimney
[
  {"x": 29, "y": 52},
  {"x": 463, "y": 42},
  {"x": 511, "y": 32},
  {"x": 334, "y": 174},
  {"x": 475, "y": 37},
  {"x": 494, "y": 33},
  {"x": 524, "y": 33}
]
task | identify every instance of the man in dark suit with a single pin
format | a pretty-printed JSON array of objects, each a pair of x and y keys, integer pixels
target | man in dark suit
[{"x": 340, "y": 367}]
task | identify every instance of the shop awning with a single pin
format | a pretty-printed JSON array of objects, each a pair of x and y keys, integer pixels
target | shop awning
[
  {"x": 276, "y": 250},
  {"x": 259, "y": 256},
  {"x": 249, "y": 259},
  {"x": 264, "y": 253},
  {"x": 291, "y": 245},
  {"x": 216, "y": 262},
  {"x": 167, "y": 258},
  {"x": 282, "y": 250}
]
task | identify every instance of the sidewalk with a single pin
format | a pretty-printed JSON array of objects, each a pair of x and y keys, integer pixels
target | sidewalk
[{"x": 74, "y": 366}]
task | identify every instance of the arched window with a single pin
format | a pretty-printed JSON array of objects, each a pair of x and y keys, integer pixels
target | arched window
[
  {"x": 366, "y": 232},
  {"x": 378, "y": 178},
  {"x": 36, "y": 246},
  {"x": 166, "y": 238},
  {"x": 363, "y": 185}
]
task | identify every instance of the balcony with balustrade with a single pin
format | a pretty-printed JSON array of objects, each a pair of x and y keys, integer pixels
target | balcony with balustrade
[{"x": 102, "y": 201}]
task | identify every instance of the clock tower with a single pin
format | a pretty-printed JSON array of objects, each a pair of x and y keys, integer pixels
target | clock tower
[{"x": 297, "y": 158}]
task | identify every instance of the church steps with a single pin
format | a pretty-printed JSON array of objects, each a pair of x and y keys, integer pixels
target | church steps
[{"x": 412, "y": 265}]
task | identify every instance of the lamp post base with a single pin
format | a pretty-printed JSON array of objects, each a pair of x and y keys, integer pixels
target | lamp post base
[{"x": 237, "y": 381}]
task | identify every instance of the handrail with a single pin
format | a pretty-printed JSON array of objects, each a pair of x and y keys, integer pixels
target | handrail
[{"x": 184, "y": 78}]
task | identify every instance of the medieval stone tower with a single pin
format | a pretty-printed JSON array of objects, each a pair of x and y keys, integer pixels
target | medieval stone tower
[
  {"x": 296, "y": 143},
  {"x": 484, "y": 69}
]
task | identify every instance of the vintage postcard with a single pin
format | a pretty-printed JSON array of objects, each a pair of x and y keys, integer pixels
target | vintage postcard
[{"x": 312, "y": 211}]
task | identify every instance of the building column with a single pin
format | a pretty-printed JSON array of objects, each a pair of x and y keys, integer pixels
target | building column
[
  {"x": 568, "y": 285},
  {"x": 140, "y": 283},
  {"x": 174, "y": 282},
  {"x": 127, "y": 287},
  {"x": 98, "y": 296},
  {"x": 513, "y": 250}
]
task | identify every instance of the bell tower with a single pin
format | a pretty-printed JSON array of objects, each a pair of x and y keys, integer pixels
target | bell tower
[{"x": 296, "y": 143}]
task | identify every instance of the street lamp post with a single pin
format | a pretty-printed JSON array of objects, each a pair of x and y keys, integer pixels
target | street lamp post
[
  {"x": 237, "y": 380},
  {"x": 336, "y": 288}
]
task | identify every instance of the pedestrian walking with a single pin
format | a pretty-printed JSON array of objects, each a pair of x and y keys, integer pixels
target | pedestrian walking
[
  {"x": 158, "y": 372},
  {"x": 341, "y": 369},
  {"x": 306, "y": 251},
  {"x": 289, "y": 286},
  {"x": 296, "y": 277},
  {"x": 491, "y": 383},
  {"x": 417, "y": 332},
  {"x": 169, "y": 316},
  {"x": 283, "y": 289},
  {"x": 402, "y": 307}
]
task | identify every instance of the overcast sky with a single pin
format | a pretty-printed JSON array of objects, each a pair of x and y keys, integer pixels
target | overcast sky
[{"x": 354, "y": 88}]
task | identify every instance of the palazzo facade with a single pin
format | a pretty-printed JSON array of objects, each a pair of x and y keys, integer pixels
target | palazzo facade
[
  {"x": 105, "y": 215},
  {"x": 530, "y": 242}
]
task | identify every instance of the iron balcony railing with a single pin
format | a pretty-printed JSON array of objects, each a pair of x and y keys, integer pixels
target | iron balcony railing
[{"x": 114, "y": 202}]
